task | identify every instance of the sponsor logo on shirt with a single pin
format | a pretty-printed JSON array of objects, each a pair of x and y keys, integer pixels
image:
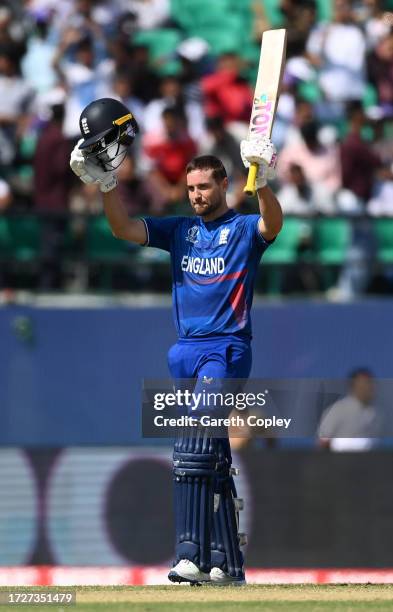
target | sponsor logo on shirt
[
  {"x": 192, "y": 234},
  {"x": 224, "y": 235},
  {"x": 198, "y": 265}
]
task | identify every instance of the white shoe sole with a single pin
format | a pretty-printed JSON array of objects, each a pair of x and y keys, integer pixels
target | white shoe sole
[
  {"x": 219, "y": 578},
  {"x": 182, "y": 573},
  {"x": 175, "y": 577}
]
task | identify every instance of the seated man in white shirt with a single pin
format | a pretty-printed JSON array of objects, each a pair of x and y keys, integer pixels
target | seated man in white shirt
[
  {"x": 352, "y": 423},
  {"x": 338, "y": 50}
]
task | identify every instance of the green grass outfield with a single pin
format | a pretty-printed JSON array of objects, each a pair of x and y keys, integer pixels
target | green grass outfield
[{"x": 265, "y": 598}]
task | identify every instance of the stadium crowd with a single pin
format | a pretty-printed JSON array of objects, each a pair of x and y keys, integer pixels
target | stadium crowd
[{"x": 187, "y": 70}]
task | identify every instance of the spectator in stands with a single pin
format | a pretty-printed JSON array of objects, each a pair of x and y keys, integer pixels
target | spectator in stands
[
  {"x": 136, "y": 191},
  {"x": 52, "y": 187},
  {"x": 319, "y": 164},
  {"x": 195, "y": 61},
  {"x": 224, "y": 146},
  {"x": 13, "y": 29},
  {"x": 380, "y": 70},
  {"x": 303, "y": 114},
  {"x": 381, "y": 202},
  {"x": 146, "y": 81},
  {"x": 5, "y": 196},
  {"x": 296, "y": 195},
  {"x": 227, "y": 93},
  {"x": 85, "y": 199},
  {"x": 352, "y": 423},
  {"x": 299, "y": 18},
  {"x": 338, "y": 50},
  {"x": 134, "y": 61},
  {"x": 52, "y": 182},
  {"x": 360, "y": 163},
  {"x": 171, "y": 94},
  {"x": 41, "y": 50},
  {"x": 15, "y": 102},
  {"x": 85, "y": 78},
  {"x": 167, "y": 154},
  {"x": 92, "y": 20},
  {"x": 123, "y": 90},
  {"x": 149, "y": 14},
  {"x": 371, "y": 16}
]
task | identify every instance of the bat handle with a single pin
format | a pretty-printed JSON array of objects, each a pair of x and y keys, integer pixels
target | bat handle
[{"x": 252, "y": 177}]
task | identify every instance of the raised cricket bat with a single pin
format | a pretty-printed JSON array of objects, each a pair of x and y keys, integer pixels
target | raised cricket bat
[{"x": 270, "y": 71}]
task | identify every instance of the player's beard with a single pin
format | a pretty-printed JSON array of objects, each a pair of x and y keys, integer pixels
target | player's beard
[{"x": 208, "y": 208}]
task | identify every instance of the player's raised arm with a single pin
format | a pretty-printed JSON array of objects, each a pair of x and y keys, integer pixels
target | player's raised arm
[
  {"x": 133, "y": 230},
  {"x": 109, "y": 129},
  {"x": 262, "y": 152}
]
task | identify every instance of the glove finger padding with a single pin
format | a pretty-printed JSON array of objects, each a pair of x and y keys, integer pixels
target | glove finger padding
[
  {"x": 260, "y": 151},
  {"x": 106, "y": 180},
  {"x": 78, "y": 164},
  {"x": 90, "y": 172},
  {"x": 77, "y": 160}
]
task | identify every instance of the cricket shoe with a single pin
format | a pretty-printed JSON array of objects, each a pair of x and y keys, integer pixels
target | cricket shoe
[
  {"x": 220, "y": 578},
  {"x": 187, "y": 571}
]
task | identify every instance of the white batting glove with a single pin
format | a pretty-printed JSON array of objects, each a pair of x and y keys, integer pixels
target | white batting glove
[
  {"x": 89, "y": 172},
  {"x": 260, "y": 151}
]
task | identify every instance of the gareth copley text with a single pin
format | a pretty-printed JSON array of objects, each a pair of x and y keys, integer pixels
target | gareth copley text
[{"x": 231, "y": 421}]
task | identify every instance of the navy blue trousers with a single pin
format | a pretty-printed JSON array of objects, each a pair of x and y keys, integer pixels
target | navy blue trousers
[{"x": 204, "y": 491}]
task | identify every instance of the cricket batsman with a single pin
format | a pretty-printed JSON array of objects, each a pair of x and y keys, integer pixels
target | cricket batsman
[{"x": 215, "y": 255}]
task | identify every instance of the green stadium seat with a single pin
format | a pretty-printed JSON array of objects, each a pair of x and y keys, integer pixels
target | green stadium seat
[
  {"x": 285, "y": 247},
  {"x": 5, "y": 240},
  {"x": 370, "y": 96},
  {"x": 310, "y": 91},
  {"x": 332, "y": 237},
  {"x": 106, "y": 254},
  {"x": 383, "y": 229},
  {"x": 191, "y": 12},
  {"x": 161, "y": 42},
  {"x": 271, "y": 9},
  {"x": 227, "y": 40},
  {"x": 324, "y": 10},
  {"x": 102, "y": 246},
  {"x": 273, "y": 12},
  {"x": 24, "y": 238}
]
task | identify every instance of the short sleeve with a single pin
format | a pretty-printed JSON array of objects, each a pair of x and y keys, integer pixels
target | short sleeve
[
  {"x": 251, "y": 227},
  {"x": 328, "y": 426},
  {"x": 160, "y": 231},
  {"x": 316, "y": 39}
]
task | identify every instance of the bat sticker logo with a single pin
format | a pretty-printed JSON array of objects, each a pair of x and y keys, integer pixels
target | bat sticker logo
[{"x": 262, "y": 116}]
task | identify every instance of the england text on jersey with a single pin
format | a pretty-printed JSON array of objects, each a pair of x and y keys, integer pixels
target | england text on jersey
[{"x": 204, "y": 266}]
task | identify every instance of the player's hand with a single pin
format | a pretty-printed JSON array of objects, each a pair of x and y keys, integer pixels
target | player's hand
[
  {"x": 260, "y": 151},
  {"x": 89, "y": 172}
]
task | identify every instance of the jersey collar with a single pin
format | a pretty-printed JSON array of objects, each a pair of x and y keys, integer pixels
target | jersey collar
[{"x": 225, "y": 217}]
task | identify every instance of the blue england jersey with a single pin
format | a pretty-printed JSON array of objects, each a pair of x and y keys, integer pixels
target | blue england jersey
[{"x": 214, "y": 265}]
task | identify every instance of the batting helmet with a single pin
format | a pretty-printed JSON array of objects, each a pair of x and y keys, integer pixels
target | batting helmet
[{"x": 108, "y": 129}]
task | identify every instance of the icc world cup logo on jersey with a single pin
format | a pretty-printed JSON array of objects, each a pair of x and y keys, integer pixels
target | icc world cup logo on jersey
[{"x": 192, "y": 234}]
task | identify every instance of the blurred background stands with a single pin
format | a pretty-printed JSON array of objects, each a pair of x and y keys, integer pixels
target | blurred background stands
[{"x": 187, "y": 69}]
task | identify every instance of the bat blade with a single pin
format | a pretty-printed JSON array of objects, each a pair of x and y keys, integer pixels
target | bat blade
[{"x": 270, "y": 71}]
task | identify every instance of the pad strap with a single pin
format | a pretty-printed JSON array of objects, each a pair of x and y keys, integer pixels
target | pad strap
[
  {"x": 225, "y": 541},
  {"x": 194, "y": 467}
]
